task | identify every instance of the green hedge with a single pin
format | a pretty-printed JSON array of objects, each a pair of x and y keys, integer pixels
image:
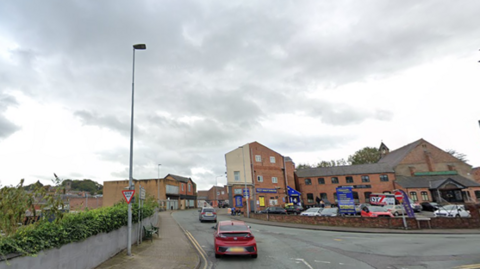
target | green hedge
[{"x": 73, "y": 227}]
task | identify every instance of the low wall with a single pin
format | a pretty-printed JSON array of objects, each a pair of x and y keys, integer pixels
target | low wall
[
  {"x": 80, "y": 255},
  {"x": 389, "y": 223}
]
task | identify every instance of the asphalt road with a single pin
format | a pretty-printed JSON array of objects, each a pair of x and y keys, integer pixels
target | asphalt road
[{"x": 281, "y": 247}]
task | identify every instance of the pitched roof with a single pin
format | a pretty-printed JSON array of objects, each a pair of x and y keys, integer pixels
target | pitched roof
[
  {"x": 179, "y": 178},
  {"x": 371, "y": 168},
  {"x": 395, "y": 157},
  {"x": 433, "y": 182}
]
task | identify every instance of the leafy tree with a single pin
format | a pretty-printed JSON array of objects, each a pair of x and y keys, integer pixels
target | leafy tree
[
  {"x": 364, "y": 156},
  {"x": 304, "y": 166},
  {"x": 462, "y": 157},
  {"x": 332, "y": 163}
]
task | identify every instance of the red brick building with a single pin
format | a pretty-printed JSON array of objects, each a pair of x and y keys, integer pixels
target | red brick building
[
  {"x": 422, "y": 170},
  {"x": 266, "y": 173}
]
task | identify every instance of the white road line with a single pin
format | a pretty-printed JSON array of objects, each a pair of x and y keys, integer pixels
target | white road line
[
  {"x": 306, "y": 263},
  {"x": 323, "y": 261}
]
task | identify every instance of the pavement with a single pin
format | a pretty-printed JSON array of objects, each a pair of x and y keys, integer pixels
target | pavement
[{"x": 173, "y": 248}]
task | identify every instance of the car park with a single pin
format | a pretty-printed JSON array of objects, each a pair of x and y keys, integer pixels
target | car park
[
  {"x": 429, "y": 206},
  {"x": 416, "y": 207},
  {"x": 274, "y": 210},
  {"x": 207, "y": 214},
  {"x": 313, "y": 211},
  {"x": 396, "y": 210},
  {"x": 375, "y": 211},
  {"x": 232, "y": 237},
  {"x": 294, "y": 209},
  {"x": 451, "y": 211},
  {"x": 329, "y": 212}
]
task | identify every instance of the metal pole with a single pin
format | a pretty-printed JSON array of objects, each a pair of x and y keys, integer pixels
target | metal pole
[
  {"x": 129, "y": 235},
  {"x": 245, "y": 179},
  {"x": 158, "y": 184}
]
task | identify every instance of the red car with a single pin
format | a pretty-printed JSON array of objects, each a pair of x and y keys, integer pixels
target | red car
[
  {"x": 233, "y": 237},
  {"x": 375, "y": 211}
]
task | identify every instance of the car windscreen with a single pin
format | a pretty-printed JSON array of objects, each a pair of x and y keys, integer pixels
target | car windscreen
[
  {"x": 329, "y": 210},
  {"x": 208, "y": 210},
  {"x": 377, "y": 209},
  {"x": 312, "y": 210},
  {"x": 235, "y": 228}
]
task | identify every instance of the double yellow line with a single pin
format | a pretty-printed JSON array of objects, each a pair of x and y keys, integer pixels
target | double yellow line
[
  {"x": 198, "y": 247},
  {"x": 468, "y": 266}
]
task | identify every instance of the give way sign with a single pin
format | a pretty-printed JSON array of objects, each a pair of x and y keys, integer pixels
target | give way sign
[{"x": 128, "y": 194}]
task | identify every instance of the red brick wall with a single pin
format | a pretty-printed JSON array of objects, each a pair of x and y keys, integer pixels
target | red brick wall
[
  {"x": 476, "y": 174},
  {"x": 81, "y": 203}
]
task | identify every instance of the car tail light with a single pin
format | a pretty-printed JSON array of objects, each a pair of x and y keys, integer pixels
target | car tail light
[
  {"x": 221, "y": 236},
  {"x": 203, "y": 213},
  {"x": 214, "y": 213},
  {"x": 249, "y": 236}
]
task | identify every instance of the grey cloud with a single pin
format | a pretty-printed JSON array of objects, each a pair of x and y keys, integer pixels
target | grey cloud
[
  {"x": 105, "y": 121},
  {"x": 7, "y": 127}
]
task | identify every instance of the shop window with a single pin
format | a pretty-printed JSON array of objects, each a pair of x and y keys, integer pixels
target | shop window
[
  {"x": 424, "y": 195},
  {"x": 321, "y": 180},
  {"x": 413, "y": 196},
  {"x": 308, "y": 182},
  {"x": 365, "y": 179},
  {"x": 384, "y": 178},
  {"x": 334, "y": 180},
  {"x": 349, "y": 179},
  {"x": 309, "y": 198}
]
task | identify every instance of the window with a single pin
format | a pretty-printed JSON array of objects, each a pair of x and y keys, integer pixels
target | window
[
  {"x": 308, "y": 182},
  {"x": 236, "y": 175},
  {"x": 323, "y": 196},
  {"x": 477, "y": 194},
  {"x": 260, "y": 178},
  {"x": 335, "y": 198},
  {"x": 188, "y": 186},
  {"x": 384, "y": 178},
  {"x": 349, "y": 179},
  {"x": 274, "y": 180},
  {"x": 218, "y": 193},
  {"x": 424, "y": 196},
  {"x": 272, "y": 159},
  {"x": 237, "y": 191},
  {"x": 387, "y": 192},
  {"x": 334, "y": 180},
  {"x": 321, "y": 180},
  {"x": 223, "y": 192},
  {"x": 182, "y": 187},
  {"x": 273, "y": 201},
  {"x": 365, "y": 179},
  {"x": 413, "y": 196},
  {"x": 258, "y": 158},
  {"x": 355, "y": 197},
  {"x": 309, "y": 197},
  {"x": 367, "y": 196}
]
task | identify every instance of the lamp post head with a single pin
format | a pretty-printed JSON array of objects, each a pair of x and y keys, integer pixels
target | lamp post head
[{"x": 140, "y": 46}]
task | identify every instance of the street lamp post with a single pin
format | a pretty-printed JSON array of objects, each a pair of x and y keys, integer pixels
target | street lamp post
[
  {"x": 245, "y": 179},
  {"x": 216, "y": 183},
  {"x": 130, "y": 179},
  {"x": 158, "y": 185}
]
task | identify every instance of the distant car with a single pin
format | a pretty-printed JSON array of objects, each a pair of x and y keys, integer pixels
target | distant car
[
  {"x": 416, "y": 207},
  {"x": 232, "y": 237},
  {"x": 313, "y": 211},
  {"x": 207, "y": 214},
  {"x": 294, "y": 210},
  {"x": 456, "y": 211},
  {"x": 429, "y": 206},
  {"x": 274, "y": 210},
  {"x": 375, "y": 211},
  {"x": 396, "y": 210},
  {"x": 329, "y": 212}
]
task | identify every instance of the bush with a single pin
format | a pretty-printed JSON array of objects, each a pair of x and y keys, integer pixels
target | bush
[{"x": 73, "y": 227}]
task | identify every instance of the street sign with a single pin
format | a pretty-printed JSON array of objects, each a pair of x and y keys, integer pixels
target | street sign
[
  {"x": 128, "y": 194},
  {"x": 246, "y": 193},
  {"x": 399, "y": 196},
  {"x": 142, "y": 194}
]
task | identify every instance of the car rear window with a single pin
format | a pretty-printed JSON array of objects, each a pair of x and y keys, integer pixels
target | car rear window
[
  {"x": 208, "y": 210},
  {"x": 229, "y": 228}
]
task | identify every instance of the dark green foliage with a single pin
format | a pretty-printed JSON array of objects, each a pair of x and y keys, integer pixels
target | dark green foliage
[
  {"x": 87, "y": 185},
  {"x": 365, "y": 156},
  {"x": 73, "y": 227}
]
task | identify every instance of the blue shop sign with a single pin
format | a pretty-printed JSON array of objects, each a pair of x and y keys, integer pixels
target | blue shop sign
[
  {"x": 346, "y": 204},
  {"x": 266, "y": 190}
]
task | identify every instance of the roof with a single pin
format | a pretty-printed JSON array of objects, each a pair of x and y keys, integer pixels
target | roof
[
  {"x": 179, "y": 178},
  {"x": 434, "y": 182},
  {"x": 395, "y": 157},
  {"x": 371, "y": 168}
]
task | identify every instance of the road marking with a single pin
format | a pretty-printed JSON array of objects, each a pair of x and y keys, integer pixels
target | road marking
[
  {"x": 306, "y": 263},
  {"x": 323, "y": 261},
  {"x": 198, "y": 247},
  {"x": 338, "y": 240},
  {"x": 468, "y": 266}
]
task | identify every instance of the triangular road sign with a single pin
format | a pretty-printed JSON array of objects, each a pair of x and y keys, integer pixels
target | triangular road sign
[{"x": 128, "y": 194}]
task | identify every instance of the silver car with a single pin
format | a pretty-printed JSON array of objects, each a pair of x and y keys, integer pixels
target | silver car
[
  {"x": 207, "y": 214},
  {"x": 313, "y": 211}
]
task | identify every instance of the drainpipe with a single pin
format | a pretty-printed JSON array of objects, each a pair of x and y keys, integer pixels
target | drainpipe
[{"x": 286, "y": 182}]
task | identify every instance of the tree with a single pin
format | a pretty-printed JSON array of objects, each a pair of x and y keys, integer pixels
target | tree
[
  {"x": 364, "y": 156},
  {"x": 462, "y": 157},
  {"x": 332, "y": 163}
]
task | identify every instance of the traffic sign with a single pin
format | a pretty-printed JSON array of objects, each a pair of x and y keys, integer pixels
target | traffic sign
[
  {"x": 399, "y": 196},
  {"x": 128, "y": 194}
]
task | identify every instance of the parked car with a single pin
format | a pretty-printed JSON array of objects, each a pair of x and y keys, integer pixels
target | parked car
[
  {"x": 207, "y": 214},
  {"x": 313, "y": 211},
  {"x": 294, "y": 210},
  {"x": 429, "y": 206},
  {"x": 452, "y": 211},
  {"x": 329, "y": 212},
  {"x": 396, "y": 210},
  {"x": 233, "y": 237},
  {"x": 416, "y": 207},
  {"x": 274, "y": 210},
  {"x": 375, "y": 211}
]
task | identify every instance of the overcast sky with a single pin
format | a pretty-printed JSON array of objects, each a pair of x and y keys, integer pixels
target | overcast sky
[{"x": 313, "y": 80}]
